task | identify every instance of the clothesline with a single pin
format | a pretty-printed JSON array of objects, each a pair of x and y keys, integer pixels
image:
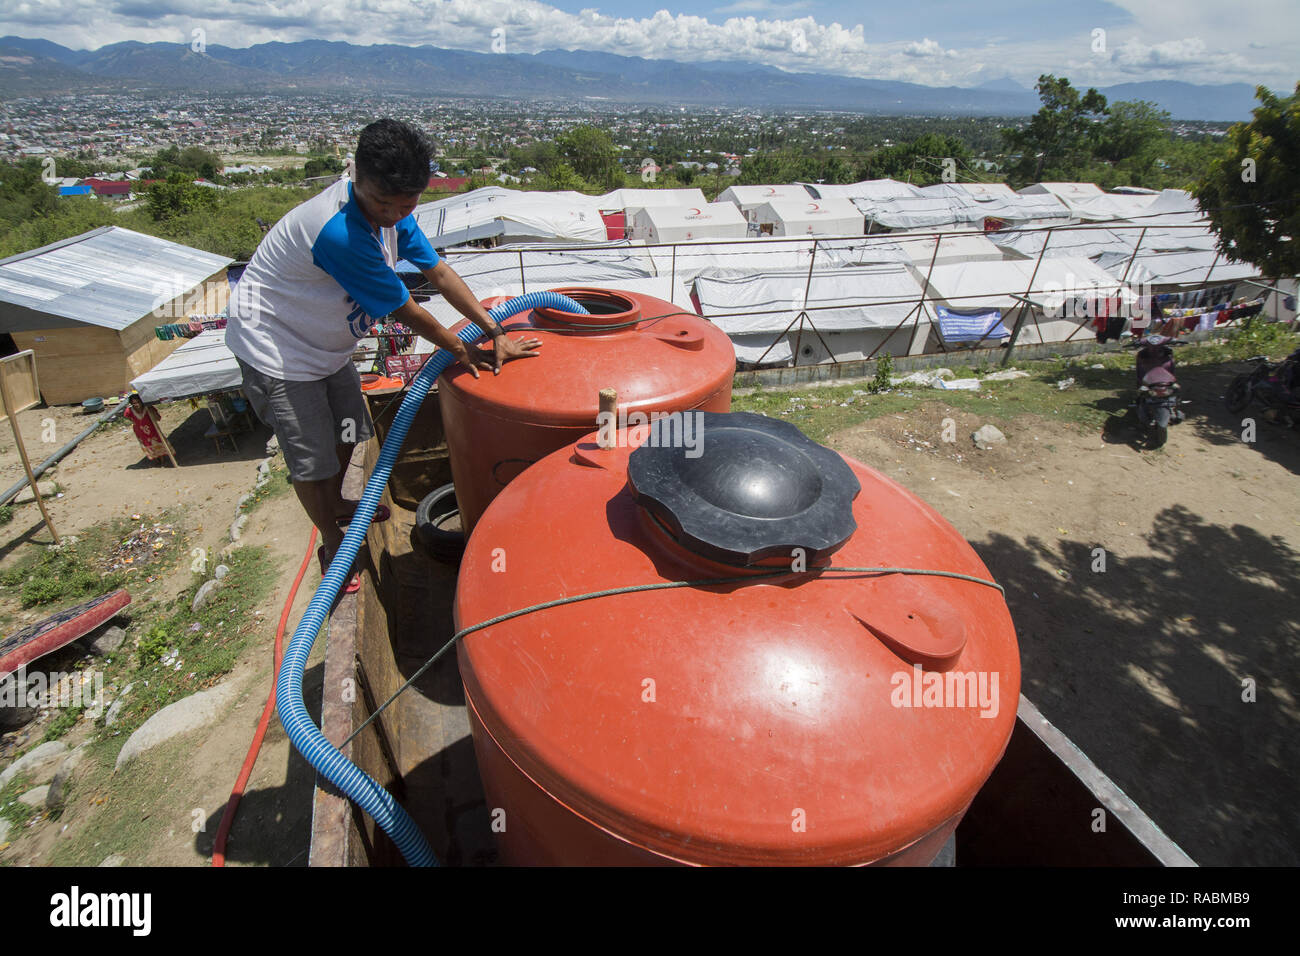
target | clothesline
[{"x": 187, "y": 330}]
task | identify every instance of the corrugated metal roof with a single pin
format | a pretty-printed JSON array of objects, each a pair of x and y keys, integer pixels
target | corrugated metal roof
[{"x": 109, "y": 277}]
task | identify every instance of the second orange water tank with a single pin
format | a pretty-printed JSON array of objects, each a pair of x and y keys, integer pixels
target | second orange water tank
[{"x": 658, "y": 357}]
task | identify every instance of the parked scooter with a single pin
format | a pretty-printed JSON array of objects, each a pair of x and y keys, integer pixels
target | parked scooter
[
  {"x": 1272, "y": 385},
  {"x": 1158, "y": 389}
]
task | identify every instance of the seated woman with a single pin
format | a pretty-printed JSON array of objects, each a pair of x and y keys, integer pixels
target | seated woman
[{"x": 148, "y": 428}]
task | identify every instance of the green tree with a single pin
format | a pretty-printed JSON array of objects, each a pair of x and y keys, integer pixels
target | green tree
[
  {"x": 1132, "y": 129},
  {"x": 1249, "y": 192},
  {"x": 562, "y": 176},
  {"x": 1060, "y": 139},
  {"x": 591, "y": 154},
  {"x": 178, "y": 196},
  {"x": 322, "y": 166}
]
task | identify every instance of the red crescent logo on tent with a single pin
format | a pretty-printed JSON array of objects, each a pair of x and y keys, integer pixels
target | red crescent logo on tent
[
  {"x": 813, "y": 207},
  {"x": 694, "y": 210},
  {"x": 771, "y": 191}
]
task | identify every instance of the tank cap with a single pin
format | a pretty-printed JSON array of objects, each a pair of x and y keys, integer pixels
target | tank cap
[{"x": 738, "y": 488}]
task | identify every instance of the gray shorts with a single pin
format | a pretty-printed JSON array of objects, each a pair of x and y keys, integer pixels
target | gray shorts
[{"x": 311, "y": 418}]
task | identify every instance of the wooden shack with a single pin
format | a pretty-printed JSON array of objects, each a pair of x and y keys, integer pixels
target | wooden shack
[{"x": 88, "y": 306}]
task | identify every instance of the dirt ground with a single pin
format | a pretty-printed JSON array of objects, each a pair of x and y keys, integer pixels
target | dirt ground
[
  {"x": 189, "y": 779},
  {"x": 1143, "y": 664}
]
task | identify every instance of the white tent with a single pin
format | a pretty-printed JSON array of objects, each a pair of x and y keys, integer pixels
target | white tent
[
  {"x": 487, "y": 271},
  {"x": 1060, "y": 285},
  {"x": 809, "y": 217},
  {"x": 924, "y": 211},
  {"x": 1180, "y": 267},
  {"x": 199, "y": 366},
  {"x": 718, "y": 220},
  {"x": 749, "y": 198},
  {"x": 688, "y": 260},
  {"x": 951, "y": 247},
  {"x": 985, "y": 191},
  {"x": 1086, "y": 201},
  {"x": 875, "y": 190},
  {"x": 849, "y": 312},
  {"x": 632, "y": 199},
  {"x": 1087, "y": 242},
  {"x": 511, "y": 214}
]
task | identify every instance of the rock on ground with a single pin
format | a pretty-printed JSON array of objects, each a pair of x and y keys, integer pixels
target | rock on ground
[
  {"x": 38, "y": 764},
  {"x": 4, "y": 830},
  {"x": 106, "y": 641},
  {"x": 59, "y": 785},
  {"x": 47, "y": 488},
  {"x": 988, "y": 436},
  {"x": 204, "y": 594},
  {"x": 220, "y": 571},
  {"x": 190, "y": 713},
  {"x": 237, "y": 528},
  {"x": 36, "y": 796},
  {"x": 117, "y": 859},
  {"x": 114, "y": 712}
]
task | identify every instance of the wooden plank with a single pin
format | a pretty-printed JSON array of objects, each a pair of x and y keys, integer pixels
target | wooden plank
[
  {"x": 22, "y": 452},
  {"x": 19, "y": 372},
  {"x": 77, "y": 364}
]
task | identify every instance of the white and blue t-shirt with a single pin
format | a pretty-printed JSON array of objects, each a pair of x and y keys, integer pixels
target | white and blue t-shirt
[{"x": 318, "y": 281}]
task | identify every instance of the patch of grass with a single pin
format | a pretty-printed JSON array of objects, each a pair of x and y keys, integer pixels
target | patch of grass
[
  {"x": 819, "y": 412},
  {"x": 183, "y": 651},
  {"x": 6, "y": 514},
  {"x": 16, "y": 813},
  {"x": 67, "y": 719},
  {"x": 46, "y": 574},
  {"x": 276, "y": 486},
  {"x": 67, "y": 574}
]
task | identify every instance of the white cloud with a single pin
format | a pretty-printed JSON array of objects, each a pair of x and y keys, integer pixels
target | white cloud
[
  {"x": 927, "y": 47},
  {"x": 1142, "y": 49}
]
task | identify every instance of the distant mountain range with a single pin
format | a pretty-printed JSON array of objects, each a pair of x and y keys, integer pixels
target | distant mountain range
[{"x": 31, "y": 67}]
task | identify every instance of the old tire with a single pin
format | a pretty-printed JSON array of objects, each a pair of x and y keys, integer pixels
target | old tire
[{"x": 436, "y": 511}]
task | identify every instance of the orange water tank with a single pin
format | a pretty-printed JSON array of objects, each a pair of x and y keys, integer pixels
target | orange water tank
[
  {"x": 656, "y": 356},
  {"x": 763, "y": 708}
]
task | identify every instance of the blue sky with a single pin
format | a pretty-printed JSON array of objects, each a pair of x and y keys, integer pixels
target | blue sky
[{"x": 935, "y": 42}]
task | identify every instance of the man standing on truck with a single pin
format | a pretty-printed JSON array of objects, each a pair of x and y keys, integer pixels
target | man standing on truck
[{"x": 318, "y": 281}]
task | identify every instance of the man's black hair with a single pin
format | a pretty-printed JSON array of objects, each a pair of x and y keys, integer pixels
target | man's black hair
[{"x": 394, "y": 157}]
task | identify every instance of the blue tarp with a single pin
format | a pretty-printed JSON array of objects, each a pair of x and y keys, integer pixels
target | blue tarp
[
  {"x": 75, "y": 190},
  {"x": 970, "y": 326}
]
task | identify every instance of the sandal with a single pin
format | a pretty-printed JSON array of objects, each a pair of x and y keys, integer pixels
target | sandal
[
  {"x": 353, "y": 583},
  {"x": 381, "y": 514}
]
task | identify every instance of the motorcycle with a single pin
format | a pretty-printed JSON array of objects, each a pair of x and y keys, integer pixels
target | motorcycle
[
  {"x": 1271, "y": 385},
  {"x": 1158, "y": 389}
]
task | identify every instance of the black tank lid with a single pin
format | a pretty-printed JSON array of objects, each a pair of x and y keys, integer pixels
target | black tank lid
[{"x": 742, "y": 487}]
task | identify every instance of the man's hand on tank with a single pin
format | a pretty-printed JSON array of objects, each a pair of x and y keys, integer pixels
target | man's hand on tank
[
  {"x": 474, "y": 358},
  {"x": 506, "y": 348}
]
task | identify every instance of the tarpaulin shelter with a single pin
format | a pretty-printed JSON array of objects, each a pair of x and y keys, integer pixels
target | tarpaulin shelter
[
  {"x": 847, "y": 313},
  {"x": 511, "y": 214},
  {"x": 1058, "y": 296},
  {"x": 201, "y": 365}
]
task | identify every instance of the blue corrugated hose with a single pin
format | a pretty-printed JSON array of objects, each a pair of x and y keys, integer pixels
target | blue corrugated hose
[{"x": 354, "y": 782}]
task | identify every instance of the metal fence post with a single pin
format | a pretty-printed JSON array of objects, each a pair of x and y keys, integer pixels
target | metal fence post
[{"x": 1024, "y": 304}]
